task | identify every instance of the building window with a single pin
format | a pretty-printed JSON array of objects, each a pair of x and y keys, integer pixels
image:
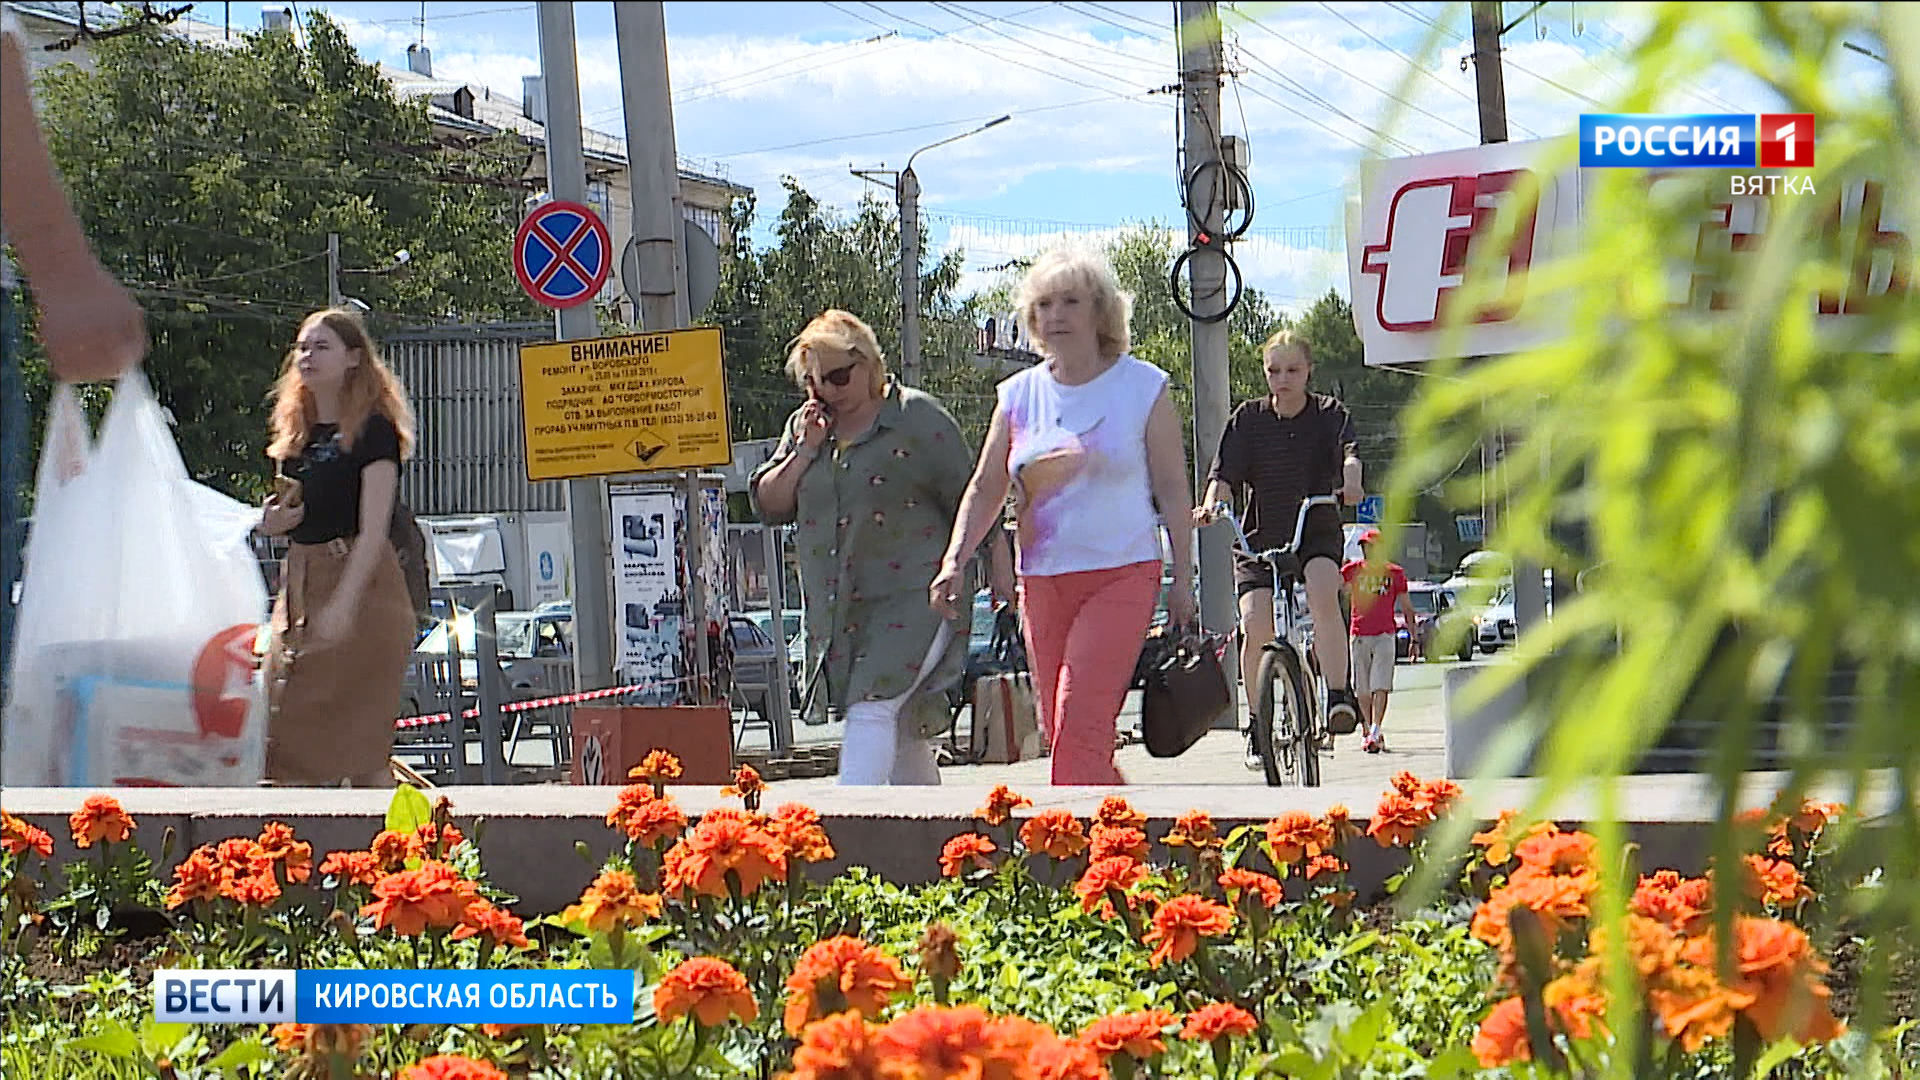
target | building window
[{"x": 600, "y": 197}]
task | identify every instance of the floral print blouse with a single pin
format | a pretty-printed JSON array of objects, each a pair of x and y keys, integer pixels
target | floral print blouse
[{"x": 872, "y": 521}]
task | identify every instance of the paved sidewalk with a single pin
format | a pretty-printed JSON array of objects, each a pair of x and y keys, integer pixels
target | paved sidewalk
[{"x": 1416, "y": 740}]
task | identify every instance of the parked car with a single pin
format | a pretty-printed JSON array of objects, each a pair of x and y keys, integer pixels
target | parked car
[
  {"x": 1494, "y": 628},
  {"x": 1427, "y": 600},
  {"x": 526, "y": 642}
]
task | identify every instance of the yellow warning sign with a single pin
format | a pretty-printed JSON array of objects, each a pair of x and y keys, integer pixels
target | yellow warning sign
[{"x": 638, "y": 403}]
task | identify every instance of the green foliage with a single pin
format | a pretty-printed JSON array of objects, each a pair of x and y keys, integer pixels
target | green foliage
[{"x": 208, "y": 179}]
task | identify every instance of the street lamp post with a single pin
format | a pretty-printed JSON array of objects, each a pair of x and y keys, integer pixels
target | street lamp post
[
  {"x": 906, "y": 193},
  {"x": 337, "y": 298}
]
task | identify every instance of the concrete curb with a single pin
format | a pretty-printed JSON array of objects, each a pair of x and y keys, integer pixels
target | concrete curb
[{"x": 529, "y": 834}]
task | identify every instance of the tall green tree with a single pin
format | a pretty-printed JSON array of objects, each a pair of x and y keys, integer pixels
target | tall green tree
[
  {"x": 209, "y": 178},
  {"x": 821, "y": 259}
]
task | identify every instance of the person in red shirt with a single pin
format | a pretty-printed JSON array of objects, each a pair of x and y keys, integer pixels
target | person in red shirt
[{"x": 1375, "y": 592}]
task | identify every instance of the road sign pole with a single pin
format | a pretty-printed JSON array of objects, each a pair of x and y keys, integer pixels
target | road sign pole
[
  {"x": 653, "y": 169},
  {"x": 586, "y": 499}
]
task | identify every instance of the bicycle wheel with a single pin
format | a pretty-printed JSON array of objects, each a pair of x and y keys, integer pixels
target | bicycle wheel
[{"x": 1282, "y": 732}]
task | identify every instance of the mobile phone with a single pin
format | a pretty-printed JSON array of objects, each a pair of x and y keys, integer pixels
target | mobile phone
[{"x": 288, "y": 490}]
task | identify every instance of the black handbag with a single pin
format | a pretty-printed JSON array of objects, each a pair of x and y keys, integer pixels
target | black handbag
[{"x": 1186, "y": 692}]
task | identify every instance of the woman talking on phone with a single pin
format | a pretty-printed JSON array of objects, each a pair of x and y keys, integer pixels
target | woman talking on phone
[
  {"x": 343, "y": 624},
  {"x": 870, "y": 474}
]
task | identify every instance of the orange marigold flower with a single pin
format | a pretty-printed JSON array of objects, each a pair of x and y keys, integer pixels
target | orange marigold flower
[
  {"x": 841, "y": 974},
  {"x": 100, "y": 820},
  {"x": 18, "y": 837},
  {"x": 1061, "y": 1059},
  {"x": 1325, "y": 864},
  {"x": 322, "y": 1040},
  {"x": 1678, "y": 902},
  {"x": 1121, "y": 840},
  {"x": 1055, "y": 833},
  {"x": 798, "y": 829},
  {"x": 968, "y": 850},
  {"x": 393, "y": 850},
  {"x": 414, "y": 901},
  {"x": 646, "y": 817},
  {"x": 352, "y": 867},
  {"x": 504, "y": 927},
  {"x": 1578, "y": 1005},
  {"x": 1219, "y": 1020},
  {"x": 197, "y": 877},
  {"x": 658, "y": 766},
  {"x": 1297, "y": 835},
  {"x": 437, "y": 842},
  {"x": 451, "y": 1067},
  {"x": 747, "y": 786},
  {"x": 1432, "y": 796},
  {"x": 839, "y": 1047},
  {"x": 712, "y": 990},
  {"x": 1180, "y": 924},
  {"x": 1138, "y": 1035},
  {"x": 700, "y": 862},
  {"x": 1815, "y": 815},
  {"x": 1692, "y": 1006},
  {"x": 1784, "y": 977},
  {"x": 933, "y": 1042},
  {"x": 1776, "y": 882},
  {"x": 240, "y": 859},
  {"x": 1502, "y": 1038},
  {"x": 502, "y": 1031},
  {"x": 1001, "y": 803},
  {"x": 1119, "y": 873},
  {"x": 255, "y": 890},
  {"x": 614, "y": 899},
  {"x": 1497, "y": 838},
  {"x": 1340, "y": 822},
  {"x": 1556, "y": 900},
  {"x": 296, "y": 856},
  {"x": 1117, "y": 813},
  {"x": 1398, "y": 820},
  {"x": 1567, "y": 854},
  {"x": 1195, "y": 828},
  {"x": 1266, "y": 890}
]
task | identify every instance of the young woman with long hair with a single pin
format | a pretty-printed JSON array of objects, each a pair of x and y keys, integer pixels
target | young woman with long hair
[{"x": 343, "y": 624}]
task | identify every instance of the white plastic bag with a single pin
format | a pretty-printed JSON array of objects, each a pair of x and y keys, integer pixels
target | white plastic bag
[{"x": 133, "y": 655}]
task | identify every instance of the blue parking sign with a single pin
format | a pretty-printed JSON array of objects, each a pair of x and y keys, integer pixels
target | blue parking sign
[{"x": 1371, "y": 508}]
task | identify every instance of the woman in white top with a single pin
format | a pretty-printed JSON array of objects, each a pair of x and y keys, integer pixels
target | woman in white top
[{"x": 1092, "y": 447}]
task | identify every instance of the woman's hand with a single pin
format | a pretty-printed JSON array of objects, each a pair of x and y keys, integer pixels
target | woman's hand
[
  {"x": 944, "y": 594},
  {"x": 1181, "y": 610},
  {"x": 331, "y": 626},
  {"x": 816, "y": 422},
  {"x": 278, "y": 520}
]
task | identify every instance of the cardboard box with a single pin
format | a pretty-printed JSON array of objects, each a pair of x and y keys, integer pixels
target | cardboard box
[{"x": 609, "y": 740}]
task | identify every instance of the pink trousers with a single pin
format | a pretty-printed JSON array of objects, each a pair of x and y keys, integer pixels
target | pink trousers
[{"x": 1084, "y": 634}]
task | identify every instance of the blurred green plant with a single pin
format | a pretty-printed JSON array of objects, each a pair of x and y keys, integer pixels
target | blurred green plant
[{"x": 1726, "y": 465}]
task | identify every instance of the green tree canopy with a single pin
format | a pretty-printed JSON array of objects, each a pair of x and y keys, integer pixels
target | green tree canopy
[{"x": 209, "y": 177}]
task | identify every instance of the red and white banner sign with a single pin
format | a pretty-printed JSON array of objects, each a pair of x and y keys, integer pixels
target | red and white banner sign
[{"x": 1422, "y": 221}]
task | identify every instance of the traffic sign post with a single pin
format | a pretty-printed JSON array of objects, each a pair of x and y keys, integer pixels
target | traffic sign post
[
  {"x": 562, "y": 254},
  {"x": 1371, "y": 507},
  {"x": 637, "y": 403}
]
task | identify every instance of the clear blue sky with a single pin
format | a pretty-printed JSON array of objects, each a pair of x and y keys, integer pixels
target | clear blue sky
[{"x": 809, "y": 89}]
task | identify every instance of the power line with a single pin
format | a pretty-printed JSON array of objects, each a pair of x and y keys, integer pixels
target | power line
[
  {"x": 1123, "y": 15},
  {"x": 1137, "y": 61},
  {"x": 1316, "y": 122},
  {"x": 928, "y": 126},
  {"x": 1155, "y": 37},
  {"x": 1462, "y": 94},
  {"x": 996, "y": 56},
  {"x": 1363, "y": 82},
  {"x": 1412, "y": 14}
]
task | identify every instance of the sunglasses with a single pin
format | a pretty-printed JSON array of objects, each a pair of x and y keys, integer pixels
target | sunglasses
[{"x": 839, "y": 376}]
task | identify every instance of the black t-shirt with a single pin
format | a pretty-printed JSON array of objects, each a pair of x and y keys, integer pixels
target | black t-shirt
[
  {"x": 330, "y": 475},
  {"x": 1283, "y": 460}
]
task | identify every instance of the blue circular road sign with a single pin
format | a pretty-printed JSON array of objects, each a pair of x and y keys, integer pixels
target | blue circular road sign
[{"x": 562, "y": 254}]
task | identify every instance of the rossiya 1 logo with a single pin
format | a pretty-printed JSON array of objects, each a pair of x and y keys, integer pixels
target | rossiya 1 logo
[
  {"x": 1705, "y": 141},
  {"x": 1420, "y": 266}
]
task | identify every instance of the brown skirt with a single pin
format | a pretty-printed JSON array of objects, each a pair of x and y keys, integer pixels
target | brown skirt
[{"x": 331, "y": 709}]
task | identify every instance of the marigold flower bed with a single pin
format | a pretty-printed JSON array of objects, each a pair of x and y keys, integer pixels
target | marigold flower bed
[{"x": 1055, "y": 948}]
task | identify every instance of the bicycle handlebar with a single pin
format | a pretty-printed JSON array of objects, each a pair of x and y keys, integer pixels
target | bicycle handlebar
[{"x": 1224, "y": 511}]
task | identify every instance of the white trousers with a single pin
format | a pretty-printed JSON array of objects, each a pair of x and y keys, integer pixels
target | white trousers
[{"x": 874, "y": 751}]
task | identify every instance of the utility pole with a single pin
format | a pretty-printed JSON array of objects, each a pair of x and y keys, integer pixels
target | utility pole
[
  {"x": 586, "y": 499},
  {"x": 907, "y": 192},
  {"x": 906, "y": 196},
  {"x": 1200, "y": 74},
  {"x": 334, "y": 296},
  {"x": 653, "y": 171},
  {"x": 1529, "y": 586}
]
